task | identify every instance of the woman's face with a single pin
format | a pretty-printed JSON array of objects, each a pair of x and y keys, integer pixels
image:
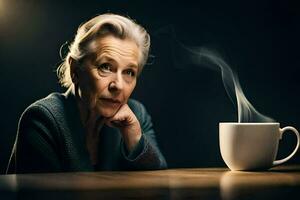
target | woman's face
[{"x": 107, "y": 80}]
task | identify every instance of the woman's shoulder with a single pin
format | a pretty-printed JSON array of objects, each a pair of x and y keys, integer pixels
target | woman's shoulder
[
  {"x": 51, "y": 105},
  {"x": 45, "y": 115},
  {"x": 138, "y": 109},
  {"x": 51, "y": 102},
  {"x": 135, "y": 105}
]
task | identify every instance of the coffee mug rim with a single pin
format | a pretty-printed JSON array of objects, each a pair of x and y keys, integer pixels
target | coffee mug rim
[{"x": 249, "y": 123}]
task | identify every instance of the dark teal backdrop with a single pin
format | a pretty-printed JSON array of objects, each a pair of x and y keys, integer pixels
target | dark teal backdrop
[{"x": 259, "y": 39}]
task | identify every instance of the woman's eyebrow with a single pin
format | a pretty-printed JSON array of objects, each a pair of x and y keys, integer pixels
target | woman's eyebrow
[
  {"x": 105, "y": 58},
  {"x": 132, "y": 65}
]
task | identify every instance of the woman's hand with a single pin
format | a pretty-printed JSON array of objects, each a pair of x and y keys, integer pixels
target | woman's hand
[{"x": 126, "y": 121}]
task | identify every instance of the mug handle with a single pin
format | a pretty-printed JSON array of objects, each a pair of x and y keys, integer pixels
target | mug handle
[{"x": 278, "y": 162}]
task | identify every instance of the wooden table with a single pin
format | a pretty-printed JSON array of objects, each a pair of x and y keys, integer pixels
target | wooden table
[{"x": 194, "y": 183}]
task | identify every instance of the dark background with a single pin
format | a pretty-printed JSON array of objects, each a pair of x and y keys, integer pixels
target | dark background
[{"x": 259, "y": 39}]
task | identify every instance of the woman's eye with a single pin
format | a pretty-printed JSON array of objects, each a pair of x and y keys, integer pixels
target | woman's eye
[
  {"x": 130, "y": 72},
  {"x": 105, "y": 67}
]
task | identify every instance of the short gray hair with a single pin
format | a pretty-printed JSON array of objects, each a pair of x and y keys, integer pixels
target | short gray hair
[{"x": 100, "y": 26}]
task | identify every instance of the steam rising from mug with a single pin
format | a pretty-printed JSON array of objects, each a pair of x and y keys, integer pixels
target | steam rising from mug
[{"x": 209, "y": 59}]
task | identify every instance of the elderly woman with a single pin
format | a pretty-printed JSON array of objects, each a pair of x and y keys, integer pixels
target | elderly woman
[{"x": 94, "y": 125}]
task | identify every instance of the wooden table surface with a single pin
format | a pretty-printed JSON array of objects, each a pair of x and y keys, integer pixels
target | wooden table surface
[{"x": 193, "y": 183}]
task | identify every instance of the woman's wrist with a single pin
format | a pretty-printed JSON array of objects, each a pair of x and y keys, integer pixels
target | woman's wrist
[{"x": 132, "y": 136}]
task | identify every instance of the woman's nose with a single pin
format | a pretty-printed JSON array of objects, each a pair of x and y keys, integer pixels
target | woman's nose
[{"x": 116, "y": 83}]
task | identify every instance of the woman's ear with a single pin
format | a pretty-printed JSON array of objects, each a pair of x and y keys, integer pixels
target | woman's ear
[{"x": 73, "y": 70}]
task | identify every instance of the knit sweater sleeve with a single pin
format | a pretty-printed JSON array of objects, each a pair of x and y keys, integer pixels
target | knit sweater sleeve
[
  {"x": 146, "y": 154},
  {"x": 36, "y": 148}
]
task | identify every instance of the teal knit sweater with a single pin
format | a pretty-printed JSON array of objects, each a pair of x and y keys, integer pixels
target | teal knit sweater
[{"x": 51, "y": 138}]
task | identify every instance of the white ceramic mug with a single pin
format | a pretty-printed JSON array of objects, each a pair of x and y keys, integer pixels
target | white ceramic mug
[{"x": 252, "y": 146}]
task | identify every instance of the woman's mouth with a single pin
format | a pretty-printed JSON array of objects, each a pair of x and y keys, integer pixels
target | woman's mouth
[{"x": 111, "y": 101}]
